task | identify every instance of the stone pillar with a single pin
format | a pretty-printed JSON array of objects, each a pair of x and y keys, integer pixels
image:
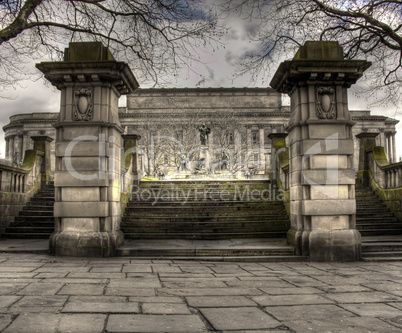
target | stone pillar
[
  {"x": 88, "y": 141},
  {"x": 367, "y": 139},
  {"x": 42, "y": 143},
  {"x": 11, "y": 148},
  {"x": 7, "y": 147},
  {"x": 262, "y": 155},
  {"x": 394, "y": 157},
  {"x": 322, "y": 179}
]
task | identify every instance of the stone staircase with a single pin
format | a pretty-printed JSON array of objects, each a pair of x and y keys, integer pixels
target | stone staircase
[
  {"x": 36, "y": 219},
  {"x": 381, "y": 231},
  {"x": 207, "y": 220},
  {"x": 204, "y": 210}
]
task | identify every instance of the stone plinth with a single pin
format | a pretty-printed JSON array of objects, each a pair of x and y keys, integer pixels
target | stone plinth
[
  {"x": 322, "y": 179},
  {"x": 88, "y": 141}
]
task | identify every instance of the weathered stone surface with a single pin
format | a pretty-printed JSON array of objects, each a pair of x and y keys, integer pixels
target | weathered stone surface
[
  {"x": 155, "y": 323},
  {"x": 291, "y": 300},
  {"x": 101, "y": 307},
  {"x": 165, "y": 308},
  {"x": 221, "y": 301},
  {"x": 50, "y": 323},
  {"x": 373, "y": 310},
  {"x": 82, "y": 289},
  {"x": 239, "y": 318}
]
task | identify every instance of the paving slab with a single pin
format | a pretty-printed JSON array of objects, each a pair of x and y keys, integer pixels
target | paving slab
[
  {"x": 50, "y": 323},
  {"x": 373, "y": 310},
  {"x": 155, "y": 323},
  {"x": 41, "y": 289},
  {"x": 165, "y": 308},
  {"x": 39, "y": 304},
  {"x": 101, "y": 307},
  {"x": 239, "y": 318},
  {"x": 364, "y": 297},
  {"x": 209, "y": 291},
  {"x": 308, "y": 312},
  {"x": 11, "y": 288},
  {"x": 189, "y": 296},
  {"x": 289, "y": 300},
  {"x": 221, "y": 301},
  {"x": 82, "y": 289},
  {"x": 342, "y": 325}
]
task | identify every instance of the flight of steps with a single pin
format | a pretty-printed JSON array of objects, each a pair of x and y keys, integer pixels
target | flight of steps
[
  {"x": 381, "y": 231},
  {"x": 214, "y": 211},
  {"x": 36, "y": 219}
]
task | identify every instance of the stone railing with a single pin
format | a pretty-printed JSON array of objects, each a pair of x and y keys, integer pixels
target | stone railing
[
  {"x": 384, "y": 178},
  {"x": 129, "y": 169},
  {"x": 19, "y": 184},
  {"x": 279, "y": 174}
]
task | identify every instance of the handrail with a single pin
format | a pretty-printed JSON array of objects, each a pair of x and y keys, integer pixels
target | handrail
[
  {"x": 18, "y": 185},
  {"x": 24, "y": 178},
  {"x": 387, "y": 175}
]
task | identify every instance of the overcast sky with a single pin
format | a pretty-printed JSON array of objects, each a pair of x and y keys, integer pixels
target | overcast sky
[{"x": 217, "y": 70}]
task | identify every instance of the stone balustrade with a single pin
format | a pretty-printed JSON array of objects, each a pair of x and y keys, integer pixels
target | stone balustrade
[
  {"x": 383, "y": 177},
  {"x": 19, "y": 184}
]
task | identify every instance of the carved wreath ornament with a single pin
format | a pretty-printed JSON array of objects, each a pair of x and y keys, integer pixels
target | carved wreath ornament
[
  {"x": 83, "y": 104},
  {"x": 326, "y": 103}
]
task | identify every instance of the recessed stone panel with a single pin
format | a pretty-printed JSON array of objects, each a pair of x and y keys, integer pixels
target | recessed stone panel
[
  {"x": 80, "y": 194},
  {"x": 329, "y": 192},
  {"x": 81, "y": 209},
  {"x": 330, "y": 222},
  {"x": 80, "y": 224},
  {"x": 329, "y": 207}
]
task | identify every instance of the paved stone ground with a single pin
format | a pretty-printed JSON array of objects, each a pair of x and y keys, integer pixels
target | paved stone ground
[{"x": 40, "y": 293}]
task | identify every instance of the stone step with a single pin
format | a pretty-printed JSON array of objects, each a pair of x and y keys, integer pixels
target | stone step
[
  {"x": 183, "y": 201},
  {"x": 30, "y": 229},
  {"x": 382, "y": 259},
  {"x": 379, "y": 220},
  {"x": 34, "y": 219},
  {"x": 212, "y": 236},
  {"x": 34, "y": 235},
  {"x": 36, "y": 213},
  {"x": 216, "y": 252},
  {"x": 367, "y": 226},
  {"x": 40, "y": 203},
  {"x": 269, "y": 258},
  {"x": 185, "y": 223},
  {"x": 274, "y": 218},
  {"x": 381, "y": 246},
  {"x": 190, "y": 228},
  {"x": 391, "y": 253},
  {"x": 375, "y": 215},
  {"x": 379, "y": 231}
]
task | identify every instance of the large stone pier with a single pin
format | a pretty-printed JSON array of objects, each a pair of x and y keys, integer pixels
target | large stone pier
[
  {"x": 322, "y": 178},
  {"x": 88, "y": 141}
]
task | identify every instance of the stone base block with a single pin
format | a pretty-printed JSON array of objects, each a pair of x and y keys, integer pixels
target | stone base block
[
  {"x": 85, "y": 244},
  {"x": 334, "y": 245}
]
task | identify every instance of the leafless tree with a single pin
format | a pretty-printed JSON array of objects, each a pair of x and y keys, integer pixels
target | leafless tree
[
  {"x": 366, "y": 29},
  {"x": 156, "y": 37}
]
